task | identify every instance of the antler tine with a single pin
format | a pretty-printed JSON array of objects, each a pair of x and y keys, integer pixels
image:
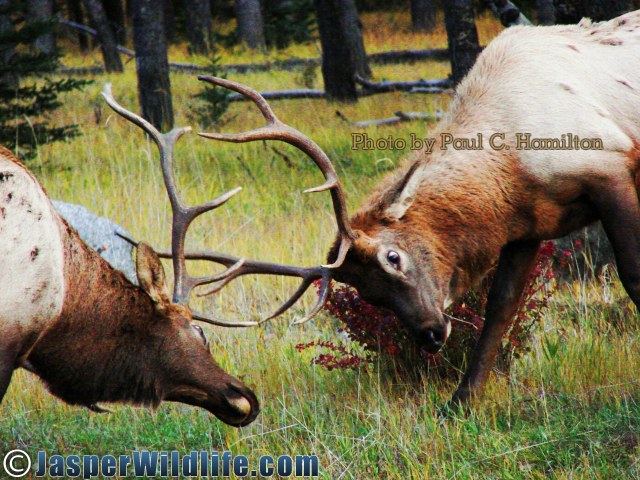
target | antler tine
[
  {"x": 236, "y": 267},
  {"x": 251, "y": 267},
  {"x": 132, "y": 117},
  {"x": 221, "y": 323},
  {"x": 198, "y": 315},
  {"x": 248, "y": 92},
  {"x": 183, "y": 214},
  {"x": 277, "y": 130},
  {"x": 323, "y": 295}
]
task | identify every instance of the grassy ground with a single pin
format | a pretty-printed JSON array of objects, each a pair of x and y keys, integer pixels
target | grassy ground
[{"x": 569, "y": 409}]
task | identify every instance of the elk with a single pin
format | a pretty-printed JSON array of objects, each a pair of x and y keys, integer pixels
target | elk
[
  {"x": 83, "y": 328},
  {"x": 434, "y": 228}
]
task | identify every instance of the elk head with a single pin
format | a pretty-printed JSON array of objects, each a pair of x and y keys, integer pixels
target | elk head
[
  {"x": 389, "y": 265},
  {"x": 399, "y": 269},
  {"x": 188, "y": 372},
  {"x": 178, "y": 350}
]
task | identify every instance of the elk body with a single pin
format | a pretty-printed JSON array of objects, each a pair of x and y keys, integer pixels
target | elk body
[
  {"x": 84, "y": 329},
  {"x": 432, "y": 230}
]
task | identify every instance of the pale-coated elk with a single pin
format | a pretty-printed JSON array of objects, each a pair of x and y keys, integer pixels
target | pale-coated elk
[
  {"x": 433, "y": 229},
  {"x": 83, "y": 328}
]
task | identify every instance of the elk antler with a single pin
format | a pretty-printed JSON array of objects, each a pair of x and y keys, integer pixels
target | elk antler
[
  {"x": 252, "y": 267},
  {"x": 183, "y": 214},
  {"x": 277, "y": 130}
]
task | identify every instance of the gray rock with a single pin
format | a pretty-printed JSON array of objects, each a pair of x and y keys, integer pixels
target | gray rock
[{"x": 100, "y": 234}]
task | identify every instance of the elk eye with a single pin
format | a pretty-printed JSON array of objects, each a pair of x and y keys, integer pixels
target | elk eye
[
  {"x": 198, "y": 329},
  {"x": 394, "y": 259}
]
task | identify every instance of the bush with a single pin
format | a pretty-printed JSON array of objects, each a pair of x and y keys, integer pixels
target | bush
[
  {"x": 212, "y": 102},
  {"x": 376, "y": 332}
]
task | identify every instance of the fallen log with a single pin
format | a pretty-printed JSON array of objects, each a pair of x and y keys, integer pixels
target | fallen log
[
  {"x": 404, "y": 86},
  {"x": 400, "y": 116},
  {"x": 281, "y": 94},
  {"x": 408, "y": 56},
  {"x": 393, "y": 56},
  {"x": 304, "y": 93},
  {"x": 93, "y": 33},
  {"x": 178, "y": 66},
  {"x": 430, "y": 90}
]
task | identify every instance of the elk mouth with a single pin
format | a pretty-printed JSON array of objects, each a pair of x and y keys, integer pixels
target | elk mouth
[
  {"x": 429, "y": 326},
  {"x": 242, "y": 406},
  {"x": 235, "y": 405}
]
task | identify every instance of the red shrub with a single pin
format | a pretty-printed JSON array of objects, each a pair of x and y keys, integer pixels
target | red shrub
[{"x": 377, "y": 331}]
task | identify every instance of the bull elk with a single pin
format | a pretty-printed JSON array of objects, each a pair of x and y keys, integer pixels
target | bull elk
[
  {"x": 433, "y": 229},
  {"x": 83, "y": 328}
]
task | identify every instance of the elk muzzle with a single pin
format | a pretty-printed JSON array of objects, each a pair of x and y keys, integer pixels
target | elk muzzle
[
  {"x": 433, "y": 338},
  {"x": 429, "y": 325},
  {"x": 241, "y": 407},
  {"x": 229, "y": 399}
]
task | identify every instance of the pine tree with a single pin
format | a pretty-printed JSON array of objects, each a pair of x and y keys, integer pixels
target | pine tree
[
  {"x": 28, "y": 94},
  {"x": 211, "y": 103},
  {"x": 288, "y": 21}
]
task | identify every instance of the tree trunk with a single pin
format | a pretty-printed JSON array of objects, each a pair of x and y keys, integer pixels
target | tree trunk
[
  {"x": 43, "y": 8},
  {"x": 98, "y": 20},
  {"x": 150, "y": 43},
  {"x": 423, "y": 15},
  {"x": 170, "y": 13},
  {"x": 76, "y": 14},
  {"x": 572, "y": 11},
  {"x": 599, "y": 10},
  {"x": 353, "y": 30},
  {"x": 343, "y": 53},
  {"x": 250, "y": 24},
  {"x": 8, "y": 79},
  {"x": 115, "y": 15},
  {"x": 568, "y": 11},
  {"x": 198, "y": 23},
  {"x": 462, "y": 37},
  {"x": 546, "y": 12}
]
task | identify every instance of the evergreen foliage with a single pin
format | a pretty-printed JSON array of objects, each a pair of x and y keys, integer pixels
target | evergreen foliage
[
  {"x": 28, "y": 96},
  {"x": 288, "y": 21},
  {"x": 211, "y": 102}
]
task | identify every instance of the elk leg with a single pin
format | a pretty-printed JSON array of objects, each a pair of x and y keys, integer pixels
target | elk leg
[
  {"x": 7, "y": 366},
  {"x": 619, "y": 211},
  {"x": 514, "y": 266}
]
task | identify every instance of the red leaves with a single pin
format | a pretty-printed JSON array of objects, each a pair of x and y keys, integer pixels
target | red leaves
[
  {"x": 340, "y": 358},
  {"x": 379, "y": 332}
]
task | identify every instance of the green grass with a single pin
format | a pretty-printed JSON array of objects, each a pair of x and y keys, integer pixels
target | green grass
[{"x": 570, "y": 409}]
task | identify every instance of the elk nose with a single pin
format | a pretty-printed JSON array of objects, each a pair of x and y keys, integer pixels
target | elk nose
[
  {"x": 434, "y": 339},
  {"x": 246, "y": 404}
]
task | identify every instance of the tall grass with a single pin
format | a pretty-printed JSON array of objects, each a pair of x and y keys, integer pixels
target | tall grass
[{"x": 570, "y": 409}]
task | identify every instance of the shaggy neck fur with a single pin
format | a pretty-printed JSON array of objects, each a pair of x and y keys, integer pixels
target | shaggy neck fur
[
  {"x": 100, "y": 348},
  {"x": 468, "y": 205}
]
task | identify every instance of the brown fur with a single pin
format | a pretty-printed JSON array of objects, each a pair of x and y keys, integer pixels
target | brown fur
[
  {"x": 452, "y": 213},
  {"x": 117, "y": 342},
  {"x": 104, "y": 319}
]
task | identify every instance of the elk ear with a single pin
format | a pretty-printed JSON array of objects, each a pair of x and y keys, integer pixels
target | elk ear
[
  {"x": 151, "y": 275},
  {"x": 403, "y": 195}
]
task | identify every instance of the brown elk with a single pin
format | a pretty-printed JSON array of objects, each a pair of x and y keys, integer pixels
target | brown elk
[
  {"x": 83, "y": 328},
  {"x": 434, "y": 228}
]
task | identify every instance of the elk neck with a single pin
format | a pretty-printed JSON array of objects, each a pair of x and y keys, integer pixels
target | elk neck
[
  {"x": 101, "y": 348},
  {"x": 469, "y": 213},
  {"x": 467, "y": 205}
]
